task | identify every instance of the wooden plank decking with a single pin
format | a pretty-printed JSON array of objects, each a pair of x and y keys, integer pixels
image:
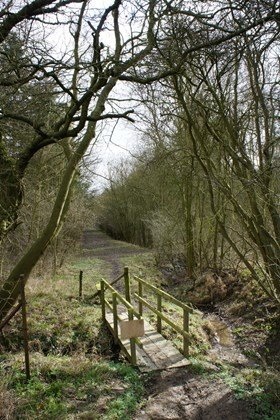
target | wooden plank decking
[{"x": 154, "y": 352}]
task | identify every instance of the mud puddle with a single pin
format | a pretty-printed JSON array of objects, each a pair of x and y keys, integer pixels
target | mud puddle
[
  {"x": 222, "y": 332},
  {"x": 224, "y": 347}
]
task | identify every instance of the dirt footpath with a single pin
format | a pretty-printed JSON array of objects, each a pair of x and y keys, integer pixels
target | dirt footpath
[
  {"x": 99, "y": 245},
  {"x": 178, "y": 394},
  {"x": 175, "y": 394}
]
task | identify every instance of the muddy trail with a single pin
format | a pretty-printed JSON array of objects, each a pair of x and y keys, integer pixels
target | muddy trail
[
  {"x": 181, "y": 393},
  {"x": 99, "y": 245}
]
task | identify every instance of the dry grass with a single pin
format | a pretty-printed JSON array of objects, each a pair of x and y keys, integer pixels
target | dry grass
[
  {"x": 70, "y": 354},
  {"x": 7, "y": 402}
]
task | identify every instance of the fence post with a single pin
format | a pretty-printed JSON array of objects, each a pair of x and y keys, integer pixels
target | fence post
[
  {"x": 24, "y": 326},
  {"x": 186, "y": 329},
  {"x": 115, "y": 316},
  {"x": 140, "y": 293},
  {"x": 132, "y": 340},
  {"x": 127, "y": 284},
  {"x": 81, "y": 284},
  {"x": 159, "y": 307},
  {"x": 102, "y": 299}
]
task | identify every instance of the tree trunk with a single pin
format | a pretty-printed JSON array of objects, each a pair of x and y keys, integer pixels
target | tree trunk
[{"x": 11, "y": 287}]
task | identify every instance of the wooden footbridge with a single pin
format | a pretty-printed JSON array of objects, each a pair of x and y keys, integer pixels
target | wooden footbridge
[{"x": 143, "y": 345}]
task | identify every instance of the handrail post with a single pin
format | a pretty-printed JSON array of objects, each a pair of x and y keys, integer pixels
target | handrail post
[
  {"x": 140, "y": 293},
  {"x": 81, "y": 284},
  {"x": 132, "y": 341},
  {"x": 159, "y": 308},
  {"x": 102, "y": 299},
  {"x": 127, "y": 284},
  {"x": 24, "y": 326},
  {"x": 115, "y": 316},
  {"x": 186, "y": 328}
]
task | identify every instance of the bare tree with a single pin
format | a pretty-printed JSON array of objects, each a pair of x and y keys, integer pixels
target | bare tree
[
  {"x": 12, "y": 14},
  {"x": 82, "y": 78},
  {"x": 234, "y": 97},
  {"x": 86, "y": 85}
]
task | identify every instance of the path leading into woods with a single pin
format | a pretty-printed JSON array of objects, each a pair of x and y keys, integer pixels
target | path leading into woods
[
  {"x": 177, "y": 394},
  {"x": 101, "y": 246}
]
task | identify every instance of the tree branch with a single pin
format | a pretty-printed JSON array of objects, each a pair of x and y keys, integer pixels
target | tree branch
[{"x": 35, "y": 8}]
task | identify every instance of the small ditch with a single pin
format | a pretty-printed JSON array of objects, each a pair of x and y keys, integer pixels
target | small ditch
[
  {"x": 223, "y": 343},
  {"x": 222, "y": 332}
]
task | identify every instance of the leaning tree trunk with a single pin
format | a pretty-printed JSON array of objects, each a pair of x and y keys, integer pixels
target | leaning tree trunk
[
  {"x": 11, "y": 287},
  {"x": 10, "y": 290}
]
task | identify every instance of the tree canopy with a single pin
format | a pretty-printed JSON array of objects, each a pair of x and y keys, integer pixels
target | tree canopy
[{"x": 62, "y": 60}]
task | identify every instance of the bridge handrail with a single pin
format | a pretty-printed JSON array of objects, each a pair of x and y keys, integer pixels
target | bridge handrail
[
  {"x": 167, "y": 320},
  {"x": 161, "y": 294},
  {"x": 165, "y": 295},
  {"x": 121, "y": 298},
  {"x": 126, "y": 301},
  {"x": 130, "y": 310}
]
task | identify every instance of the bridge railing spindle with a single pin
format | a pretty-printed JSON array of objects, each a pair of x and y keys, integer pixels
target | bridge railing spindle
[
  {"x": 159, "y": 308},
  {"x": 186, "y": 341},
  {"x": 132, "y": 341},
  {"x": 102, "y": 298},
  {"x": 140, "y": 293},
  {"x": 127, "y": 284},
  {"x": 115, "y": 316}
]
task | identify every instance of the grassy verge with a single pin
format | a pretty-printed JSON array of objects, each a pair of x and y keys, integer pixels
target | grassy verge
[
  {"x": 74, "y": 387},
  {"x": 73, "y": 375}
]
